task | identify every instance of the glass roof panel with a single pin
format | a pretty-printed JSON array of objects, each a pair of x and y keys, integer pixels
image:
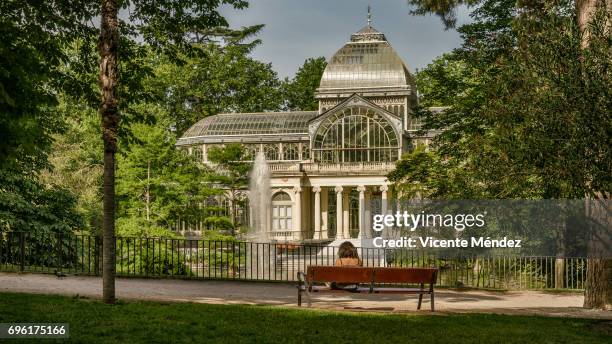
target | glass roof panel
[{"x": 262, "y": 123}]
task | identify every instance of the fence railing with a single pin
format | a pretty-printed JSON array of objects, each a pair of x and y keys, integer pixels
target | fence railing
[{"x": 239, "y": 260}]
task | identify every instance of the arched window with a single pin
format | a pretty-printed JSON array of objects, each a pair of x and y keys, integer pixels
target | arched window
[
  {"x": 305, "y": 151},
  {"x": 281, "y": 212},
  {"x": 356, "y": 134},
  {"x": 198, "y": 153},
  {"x": 271, "y": 151},
  {"x": 251, "y": 152},
  {"x": 291, "y": 151}
]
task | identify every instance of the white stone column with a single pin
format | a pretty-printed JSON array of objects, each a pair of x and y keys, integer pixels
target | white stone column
[
  {"x": 383, "y": 205},
  {"x": 368, "y": 214},
  {"x": 296, "y": 217},
  {"x": 324, "y": 213},
  {"x": 362, "y": 228},
  {"x": 339, "y": 212},
  {"x": 317, "y": 211},
  {"x": 346, "y": 221}
]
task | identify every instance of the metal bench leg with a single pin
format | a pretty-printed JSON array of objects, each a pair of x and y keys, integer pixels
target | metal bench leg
[
  {"x": 299, "y": 298},
  {"x": 432, "y": 301},
  {"x": 420, "y": 300}
]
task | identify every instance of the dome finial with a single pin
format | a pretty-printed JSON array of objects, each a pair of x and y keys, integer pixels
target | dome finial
[{"x": 369, "y": 16}]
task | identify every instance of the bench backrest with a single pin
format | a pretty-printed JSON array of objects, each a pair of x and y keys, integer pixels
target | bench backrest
[
  {"x": 354, "y": 274},
  {"x": 405, "y": 275},
  {"x": 340, "y": 274}
]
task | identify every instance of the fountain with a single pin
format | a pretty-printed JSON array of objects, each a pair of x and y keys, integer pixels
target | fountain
[
  {"x": 260, "y": 249},
  {"x": 259, "y": 198}
]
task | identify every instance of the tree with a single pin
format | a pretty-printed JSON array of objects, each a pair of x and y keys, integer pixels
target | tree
[
  {"x": 231, "y": 175},
  {"x": 532, "y": 125},
  {"x": 75, "y": 161},
  {"x": 30, "y": 71},
  {"x": 299, "y": 92},
  {"x": 168, "y": 26},
  {"x": 446, "y": 78},
  {"x": 445, "y": 9},
  {"x": 217, "y": 79},
  {"x": 157, "y": 184}
]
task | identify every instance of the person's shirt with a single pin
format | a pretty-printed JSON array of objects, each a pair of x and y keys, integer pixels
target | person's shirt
[{"x": 348, "y": 262}]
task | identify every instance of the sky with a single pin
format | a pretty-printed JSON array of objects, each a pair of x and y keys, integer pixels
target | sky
[{"x": 298, "y": 29}]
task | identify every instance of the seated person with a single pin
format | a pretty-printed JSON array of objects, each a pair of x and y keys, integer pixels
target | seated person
[{"x": 347, "y": 256}]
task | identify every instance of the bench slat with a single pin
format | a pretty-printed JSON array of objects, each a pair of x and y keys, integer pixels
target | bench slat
[
  {"x": 400, "y": 291},
  {"x": 405, "y": 275},
  {"x": 339, "y": 274}
]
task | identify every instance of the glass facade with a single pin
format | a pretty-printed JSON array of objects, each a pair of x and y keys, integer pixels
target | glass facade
[
  {"x": 291, "y": 151},
  {"x": 356, "y": 134},
  {"x": 271, "y": 152}
]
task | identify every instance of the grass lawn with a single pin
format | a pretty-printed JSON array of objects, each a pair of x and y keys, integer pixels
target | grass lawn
[{"x": 151, "y": 322}]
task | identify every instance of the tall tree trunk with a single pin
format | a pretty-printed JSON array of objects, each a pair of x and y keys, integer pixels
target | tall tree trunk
[
  {"x": 561, "y": 251},
  {"x": 584, "y": 11},
  {"x": 107, "y": 46},
  {"x": 598, "y": 290}
]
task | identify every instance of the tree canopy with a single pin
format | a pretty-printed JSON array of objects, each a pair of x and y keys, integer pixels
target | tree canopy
[{"x": 299, "y": 92}]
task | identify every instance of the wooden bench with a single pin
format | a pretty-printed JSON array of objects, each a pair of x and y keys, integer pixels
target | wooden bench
[{"x": 368, "y": 280}]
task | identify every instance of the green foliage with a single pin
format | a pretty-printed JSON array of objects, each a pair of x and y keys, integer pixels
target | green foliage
[
  {"x": 446, "y": 10},
  {"x": 49, "y": 74},
  {"x": 151, "y": 257},
  {"x": 31, "y": 50},
  {"x": 219, "y": 222},
  {"x": 299, "y": 92},
  {"x": 533, "y": 123},
  {"x": 76, "y": 161},
  {"x": 231, "y": 176},
  {"x": 27, "y": 205},
  {"x": 158, "y": 183},
  {"x": 233, "y": 170},
  {"x": 214, "y": 80},
  {"x": 443, "y": 80},
  {"x": 141, "y": 228}
]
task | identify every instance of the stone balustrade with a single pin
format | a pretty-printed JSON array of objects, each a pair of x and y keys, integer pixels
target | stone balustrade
[{"x": 352, "y": 167}]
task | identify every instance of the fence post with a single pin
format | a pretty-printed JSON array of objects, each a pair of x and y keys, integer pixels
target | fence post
[{"x": 22, "y": 251}]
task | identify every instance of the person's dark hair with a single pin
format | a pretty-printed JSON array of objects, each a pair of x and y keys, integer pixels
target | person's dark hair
[{"x": 347, "y": 250}]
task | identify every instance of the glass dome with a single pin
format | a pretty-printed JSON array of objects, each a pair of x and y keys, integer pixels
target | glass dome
[{"x": 367, "y": 61}]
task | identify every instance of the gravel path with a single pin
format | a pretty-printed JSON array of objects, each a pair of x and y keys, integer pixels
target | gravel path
[{"x": 238, "y": 292}]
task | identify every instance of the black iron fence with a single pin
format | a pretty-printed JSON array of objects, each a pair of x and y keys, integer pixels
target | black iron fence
[{"x": 239, "y": 260}]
